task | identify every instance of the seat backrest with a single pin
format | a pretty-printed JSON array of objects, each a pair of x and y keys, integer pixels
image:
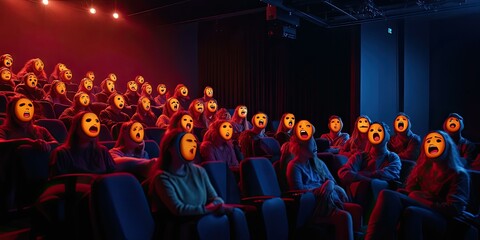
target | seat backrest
[
  {"x": 58, "y": 108},
  {"x": 407, "y": 166},
  {"x": 3, "y": 103},
  {"x": 223, "y": 181},
  {"x": 267, "y": 147},
  {"x": 97, "y": 107},
  {"x": 474, "y": 200},
  {"x": 258, "y": 178},
  {"x": 105, "y": 134},
  {"x": 154, "y": 133},
  {"x": 213, "y": 226},
  {"x": 120, "y": 209},
  {"x": 46, "y": 108},
  {"x": 55, "y": 127},
  {"x": 152, "y": 148}
]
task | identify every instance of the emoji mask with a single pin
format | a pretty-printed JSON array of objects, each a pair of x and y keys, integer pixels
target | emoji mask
[
  {"x": 376, "y": 134},
  {"x": 8, "y": 60},
  {"x": 66, "y": 75},
  {"x": 139, "y": 79},
  {"x": 119, "y": 101},
  {"x": 146, "y": 104},
  {"x": 304, "y": 130},
  {"x": 110, "y": 86},
  {"x": 363, "y": 124},
  {"x": 24, "y": 110},
  {"x": 6, "y": 74},
  {"x": 188, "y": 146},
  {"x": 62, "y": 67},
  {"x": 137, "y": 132},
  {"x": 260, "y": 120},
  {"x": 208, "y": 91},
  {"x": 434, "y": 145},
  {"x": 60, "y": 88},
  {"x": 84, "y": 99},
  {"x": 226, "y": 130},
  {"x": 112, "y": 77},
  {"x": 90, "y": 75},
  {"x": 184, "y": 91},
  {"x": 335, "y": 125},
  {"x": 174, "y": 104},
  {"x": 148, "y": 89},
  {"x": 88, "y": 84},
  {"x": 401, "y": 123},
  {"x": 90, "y": 124},
  {"x": 161, "y": 89},
  {"x": 289, "y": 121},
  {"x": 38, "y": 65},
  {"x": 132, "y": 86},
  {"x": 187, "y": 123},
  {"x": 199, "y": 107},
  {"x": 242, "y": 111},
  {"x": 212, "y": 106},
  {"x": 453, "y": 124},
  {"x": 31, "y": 80}
]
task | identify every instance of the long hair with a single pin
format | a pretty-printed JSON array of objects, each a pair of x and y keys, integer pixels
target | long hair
[
  {"x": 124, "y": 133},
  {"x": 213, "y": 133},
  {"x": 141, "y": 112},
  {"x": 449, "y": 158},
  {"x": 77, "y": 106},
  {"x": 239, "y": 120},
  {"x": 165, "y": 158},
  {"x": 11, "y": 120},
  {"x": 176, "y": 120},
  {"x": 281, "y": 127},
  {"x": 167, "y": 110},
  {"x": 73, "y": 138}
]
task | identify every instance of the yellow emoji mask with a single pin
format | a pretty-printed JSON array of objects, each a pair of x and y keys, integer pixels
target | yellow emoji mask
[
  {"x": 401, "y": 123},
  {"x": 188, "y": 146},
  {"x": 38, "y": 65},
  {"x": 110, "y": 86},
  {"x": 132, "y": 86},
  {"x": 174, "y": 104},
  {"x": 452, "y": 125},
  {"x": 304, "y": 130},
  {"x": 112, "y": 77},
  {"x": 66, "y": 75},
  {"x": 137, "y": 132},
  {"x": 208, "y": 91},
  {"x": 161, "y": 89},
  {"x": 289, "y": 121},
  {"x": 24, "y": 110},
  {"x": 84, "y": 99},
  {"x": 140, "y": 80},
  {"x": 32, "y": 80},
  {"x": 335, "y": 125},
  {"x": 242, "y": 111},
  {"x": 226, "y": 130},
  {"x": 184, "y": 91},
  {"x": 6, "y": 75},
  {"x": 199, "y": 107},
  {"x": 434, "y": 145},
  {"x": 146, "y": 104},
  {"x": 212, "y": 106},
  {"x": 363, "y": 124},
  {"x": 187, "y": 123},
  {"x": 90, "y": 124},
  {"x": 62, "y": 67},
  {"x": 119, "y": 101},
  {"x": 260, "y": 120},
  {"x": 376, "y": 134},
  {"x": 8, "y": 61},
  {"x": 88, "y": 84},
  {"x": 90, "y": 75},
  {"x": 61, "y": 89},
  {"x": 148, "y": 89}
]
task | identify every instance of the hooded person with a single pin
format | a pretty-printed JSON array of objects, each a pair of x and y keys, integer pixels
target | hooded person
[
  {"x": 113, "y": 113},
  {"x": 81, "y": 102},
  {"x": 55, "y": 75},
  {"x": 181, "y": 94},
  {"x": 162, "y": 96},
  {"x": 108, "y": 88},
  {"x": 336, "y": 138},
  {"x": 196, "y": 110},
  {"x": 284, "y": 130},
  {"x": 180, "y": 188},
  {"x": 436, "y": 191},
  {"x": 6, "y": 60},
  {"x": 129, "y": 152},
  {"x": 81, "y": 152},
  {"x": 86, "y": 86},
  {"x": 181, "y": 120},
  {"x": 454, "y": 125},
  {"x": 404, "y": 142},
  {"x": 146, "y": 90},
  {"x": 247, "y": 137},
  {"x": 140, "y": 80},
  {"x": 131, "y": 95},
  {"x": 211, "y": 108},
  {"x": 240, "y": 121},
  {"x": 171, "y": 106},
  {"x": 223, "y": 114},
  {"x": 358, "y": 141},
  {"x": 207, "y": 93},
  {"x": 367, "y": 173},
  {"x": 217, "y": 144},
  {"x": 35, "y": 66},
  {"x": 29, "y": 87},
  {"x": 6, "y": 79},
  {"x": 144, "y": 113},
  {"x": 58, "y": 93}
]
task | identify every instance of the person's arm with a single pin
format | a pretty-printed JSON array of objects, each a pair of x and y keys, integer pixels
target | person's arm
[
  {"x": 294, "y": 177},
  {"x": 351, "y": 171},
  {"x": 390, "y": 169},
  {"x": 457, "y": 197},
  {"x": 207, "y": 151},
  {"x": 413, "y": 149}
]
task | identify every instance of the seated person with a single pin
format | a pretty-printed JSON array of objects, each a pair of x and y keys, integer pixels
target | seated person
[
  {"x": 35, "y": 66},
  {"x": 217, "y": 144},
  {"x": 247, "y": 137},
  {"x": 239, "y": 121},
  {"x": 196, "y": 110},
  {"x": 131, "y": 95},
  {"x": 367, "y": 173},
  {"x": 146, "y": 91},
  {"x": 58, "y": 93},
  {"x": 284, "y": 130},
  {"x": 81, "y": 102},
  {"x": 307, "y": 172},
  {"x": 55, "y": 75},
  {"x": 359, "y": 138},
  {"x": 144, "y": 113},
  {"x": 86, "y": 86},
  {"x": 181, "y": 121},
  {"x": 454, "y": 125},
  {"x": 180, "y": 188},
  {"x": 108, "y": 88},
  {"x": 211, "y": 109},
  {"x": 171, "y": 106},
  {"x": 129, "y": 152},
  {"x": 28, "y": 87},
  {"x": 161, "y": 98},
  {"x": 6, "y": 80},
  {"x": 6, "y": 61},
  {"x": 404, "y": 143},
  {"x": 181, "y": 94},
  {"x": 437, "y": 190},
  {"x": 113, "y": 113},
  {"x": 335, "y": 137}
]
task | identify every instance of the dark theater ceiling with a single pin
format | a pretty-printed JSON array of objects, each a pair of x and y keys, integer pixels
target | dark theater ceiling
[{"x": 329, "y": 13}]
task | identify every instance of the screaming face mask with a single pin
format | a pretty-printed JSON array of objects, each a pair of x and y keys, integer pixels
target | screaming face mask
[
  {"x": 137, "y": 132},
  {"x": 212, "y": 106},
  {"x": 376, "y": 134},
  {"x": 90, "y": 124},
  {"x": 24, "y": 110},
  {"x": 260, "y": 120},
  {"x": 289, "y": 121},
  {"x": 226, "y": 130},
  {"x": 304, "y": 130},
  {"x": 434, "y": 145},
  {"x": 401, "y": 123},
  {"x": 188, "y": 146},
  {"x": 187, "y": 123},
  {"x": 119, "y": 101}
]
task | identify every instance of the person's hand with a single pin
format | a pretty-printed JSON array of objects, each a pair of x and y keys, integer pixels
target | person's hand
[
  {"x": 422, "y": 197},
  {"x": 214, "y": 208},
  {"x": 42, "y": 145}
]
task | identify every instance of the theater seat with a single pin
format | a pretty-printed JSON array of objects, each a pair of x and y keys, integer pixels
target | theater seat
[
  {"x": 267, "y": 147},
  {"x": 55, "y": 127},
  {"x": 154, "y": 133},
  {"x": 119, "y": 209}
]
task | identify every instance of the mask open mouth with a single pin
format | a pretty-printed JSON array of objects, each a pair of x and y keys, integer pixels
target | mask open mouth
[
  {"x": 120, "y": 105},
  {"x": 400, "y": 125},
  {"x": 137, "y": 135},
  {"x": 26, "y": 114},
  {"x": 303, "y": 134},
  {"x": 227, "y": 134},
  {"x": 200, "y": 109},
  {"x": 212, "y": 107},
  {"x": 189, "y": 126},
  {"x": 84, "y": 102},
  {"x": 147, "y": 107},
  {"x": 432, "y": 149},
  {"x": 192, "y": 151},
  {"x": 376, "y": 137},
  {"x": 243, "y": 112},
  {"x": 62, "y": 91},
  {"x": 93, "y": 129},
  {"x": 261, "y": 123},
  {"x": 453, "y": 125},
  {"x": 175, "y": 107},
  {"x": 290, "y": 123},
  {"x": 111, "y": 89},
  {"x": 89, "y": 87}
]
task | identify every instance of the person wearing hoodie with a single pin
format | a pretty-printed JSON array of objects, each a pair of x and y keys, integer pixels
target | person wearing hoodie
[
  {"x": 284, "y": 130},
  {"x": 454, "y": 125},
  {"x": 171, "y": 106},
  {"x": 405, "y": 143},
  {"x": 247, "y": 137},
  {"x": 113, "y": 113},
  {"x": 336, "y": 138},
  {"x": 358, "y": 141}
]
